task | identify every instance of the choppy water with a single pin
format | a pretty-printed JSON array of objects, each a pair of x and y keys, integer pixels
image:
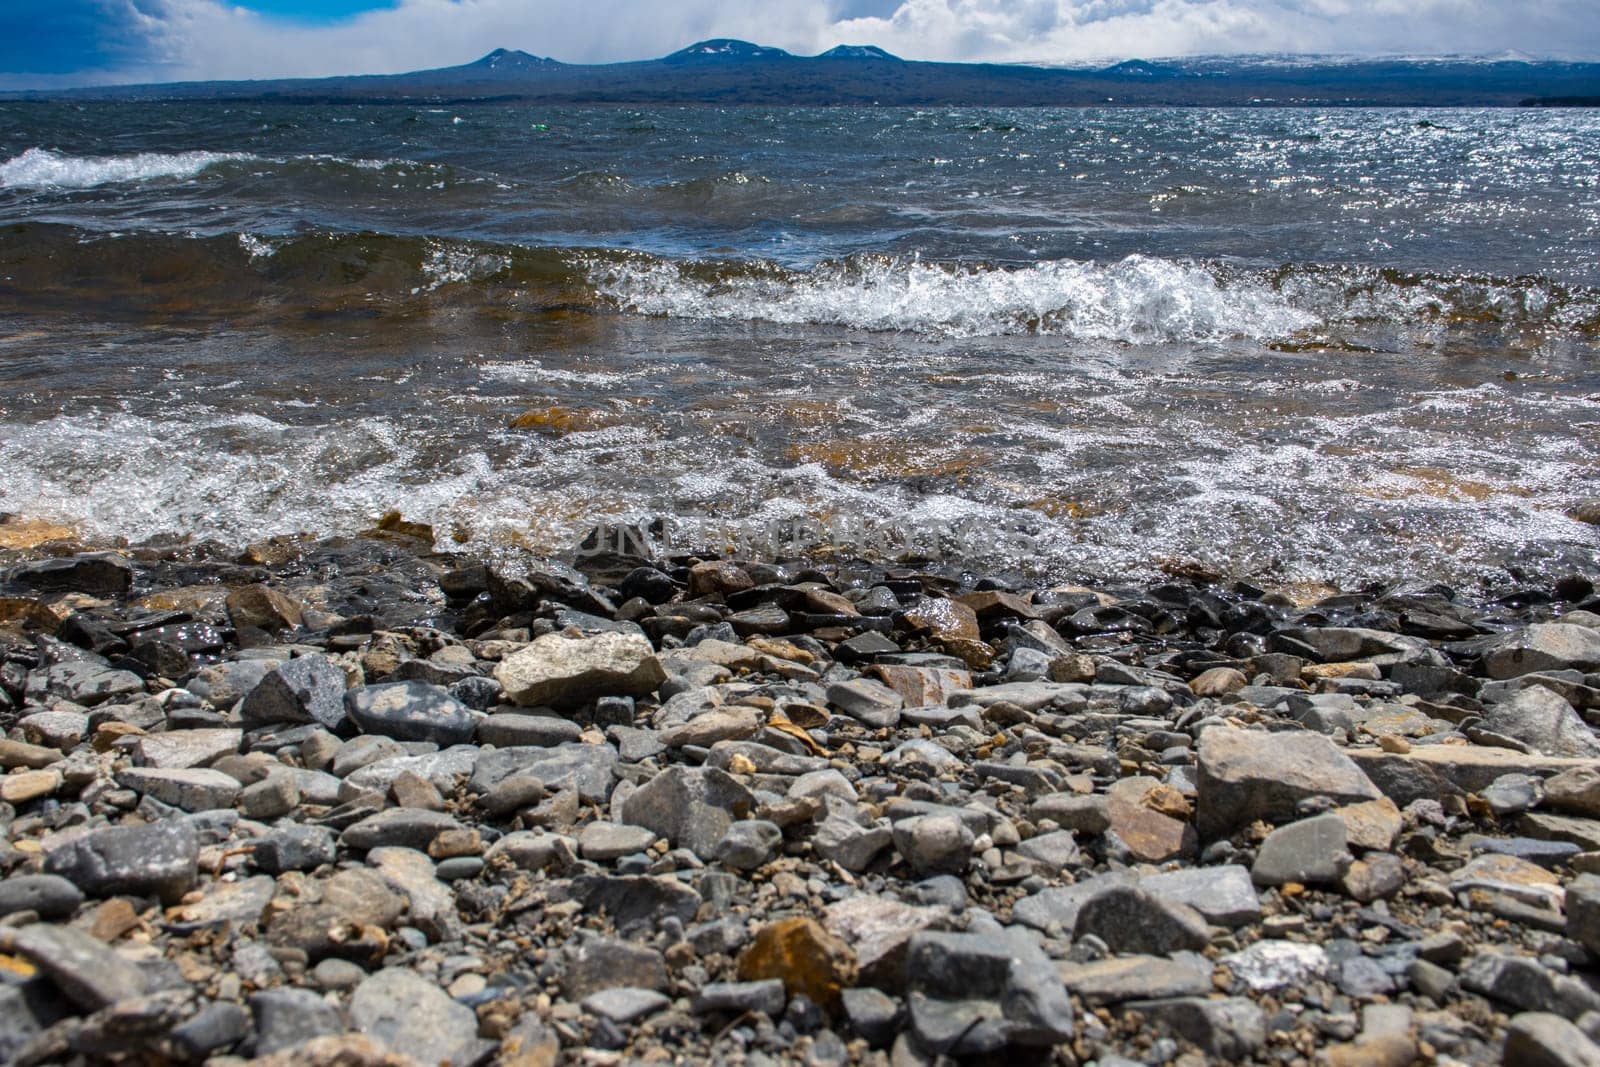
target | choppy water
[{"x": 1289, "y": 345}]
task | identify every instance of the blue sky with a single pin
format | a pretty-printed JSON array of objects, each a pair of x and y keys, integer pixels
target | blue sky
[{"x": 50, "y": 43}]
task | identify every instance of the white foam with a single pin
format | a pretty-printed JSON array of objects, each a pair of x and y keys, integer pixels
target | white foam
[
  {"x": 40, "y": 168},
  {"x": 1139, "y": 299}
]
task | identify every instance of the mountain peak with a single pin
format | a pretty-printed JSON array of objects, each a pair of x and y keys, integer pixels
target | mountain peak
[
  {"x": 859, "y": 51},
  {"x": 511, "y": 59},
  {"x": 726, "y": 48}
]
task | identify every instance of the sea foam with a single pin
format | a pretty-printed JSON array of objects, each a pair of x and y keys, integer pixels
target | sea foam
[{"x": 40, "y": 168}]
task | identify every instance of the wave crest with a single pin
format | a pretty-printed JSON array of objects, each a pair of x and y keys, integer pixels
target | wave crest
[{"x": 40, "y": 168}]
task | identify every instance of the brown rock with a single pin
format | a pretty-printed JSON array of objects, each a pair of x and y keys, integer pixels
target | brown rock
[
  {"x": 263, "y": 608},
  {"x": 827, "y": 602},
  {"x": 806, "y": 957},
  {"x": 1072, "y": 667},
  {"x": 995, "y": 604},
  {"x": 717, "y": 578},
  {"x": 1150, "y": 836},
  {"x": 921, "y": 686},
  {"x": 1312, "y": 672},
  {"x": 21, "y": 754},
  {"x": 943, "y": 620},
  {"x": 338, "y": 1050},
  {"x": 23, "y": 786},
  {"x": 1373, "y": 825},
  {"x": 1218, "y": 682}
]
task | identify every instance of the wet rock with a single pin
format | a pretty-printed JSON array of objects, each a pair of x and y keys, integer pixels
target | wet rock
[
  {"x": 691, "y": 807},
  {"x": 261, "y": 607},
  {"x": 96, "y": 573},
  {"x": 309, "y": 689},
  {"x": 1245, "y": 775},
  {"x": 809, "y": 960},
  {"x": 411, "y": 711},
  {"x": 160, "y": 859},
  {"x": 560, "y": 671}
]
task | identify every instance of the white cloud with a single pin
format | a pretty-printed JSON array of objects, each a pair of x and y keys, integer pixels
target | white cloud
[{"x": 212, "y": 39}]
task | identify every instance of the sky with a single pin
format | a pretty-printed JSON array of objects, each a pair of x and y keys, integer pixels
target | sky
[{"x": 55, "y": 43}]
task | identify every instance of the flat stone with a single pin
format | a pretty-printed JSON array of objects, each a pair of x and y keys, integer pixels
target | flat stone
[
  {"x": 87, "y": 971},
  {"x": 1149, "y": 836},
  {"x": 879, "y": 930},
  {"x": 560, "y": 671},
  {"x": 288, "y": 1018},
  {"x": 1428, "y": 772},
  {"x": 411, "y": 711},
  {"x": 50, "y": 896},
  {"x": 189, "y": 789},
  {"x": 1311, "y": 851},
  {"x": 767, "y": 997},
  {"x": 922, "y": 686},
  {"x": 598, "y": 963},
  {"x": 623, "y": 1005},
  {"x": 14, "y": 754},
  {"x": 95, "y": 573},
  {"x": 263, "y": 608},
  {"x": 1543, "y": 1039},
  {"x": 1374, "y": 825},
  {"x": 398, "y": 828},
  {"x": 1547, "y": 646},
  {"x": 1224, "y": 896},
  {"x": 1544, "y": 722},
  {"x": 182, "y": 749},
  {"x": 1231, "y": 1030},
  {"x": 20, "y": 787},
  {"x": 238, "y": 903},
  {"x": 1055, "y": 851},
  {"x": 604, "y": 842},
  {"x": 223, "y": 685},
  {"x": 511, "y": 730},
  {"x": 1271, "y": 965},
  {"x": 719, "y": 724},
  {"x": 86, "y": 683},
  {"x": 1004, "y": 969},
  {"x": 850, "y": 845},
  {"x": 1575, "y": 790},
  {"x": 160, "y": 859},
  {"x": 588, "y": 769},
  {"x": 1112, "y": 981},
  {"x": 868, "y": 701},
  {"x": 294, "y": 848},
  {"x": 637, "y": 902},
  {"x": 801, "y": 953},
  {"x": 1247, "y": 775}
]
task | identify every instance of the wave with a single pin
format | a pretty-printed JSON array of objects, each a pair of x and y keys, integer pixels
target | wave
[
  {"x": 41, "y": 168},
  {"x": 1136, "y": 300}
]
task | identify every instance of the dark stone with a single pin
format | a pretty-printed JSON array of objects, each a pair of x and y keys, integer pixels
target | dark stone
[
  {"x": 214, "y": 1027},
  {"x": 48, "y": 895},
  {"x": 96, "y": 573},
  {"x": 160, "y": 859},
  {"x": 294, "y": 848},
  {"x": 1130, "y": 920},
  {"x": 410, "y": 711},
  {"x": 634, "y": 902},
  {"x": 309, "y": 690},
  {"x": 286, "y": 1018}
]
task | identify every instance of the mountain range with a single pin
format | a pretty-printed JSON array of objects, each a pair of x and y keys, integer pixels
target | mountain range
[{"x": 729, "y": 72}]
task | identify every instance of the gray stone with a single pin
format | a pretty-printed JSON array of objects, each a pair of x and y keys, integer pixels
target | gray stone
[
  {"x": 1054, "y": 850},
  {"x": 215, "y": 1027},
  {"x": 287, "y": 1018},
  {"x": 294, "y": 848},
  {"x": 398, "y": 828},
  {"x": 691, "y": 807},
  {"x": 1583, "y": 912},
  {"x": 411, "y": 1015},
  {"x": 1513, "y": 794},
  {"x": 1233, "y": 1029},
  {"x": 589, "y": 769},
  {"x": 716, "y": 724},
  {"x": 86, "y": 970},
  {"x": 48, "y": 895},
  {"x": 431, "y": 906},
  {"x": 1312, "y": 852},
  {"x": 872, "y": 1014},
  {"x": 1271, "y": 965},
  {"x": 1544, "y": 722},
  {"x": 637, "y": 902},
  {"x": 1026, "y": 1003},
  {"x": 179, "y": 749},
  {"x": 1547, "y": 646},
  {"x": 871, "y": 702},
  {"x": 1224, "y": 895},
  {"x": 411, "y": 711},
  {"x": 748, "y": 844},
  {"x": 306, "y": 690},
  {"x": 1112, "y": 981},
  {"x": 1362, "y": 977},
  {"x": 608, "y": 963},
  {"x": 102, "y": 574},
  {"x": 1515, "y": 980},
  {"x": 849, "y": 844},
  {"x": 623, "y": 1005},
  {"x": 161, "y": 859},
  {"x": 561, "y": 671},
  {"x": 879, "y": 930},
  {"x": 273, "y": 797},
  {"x": 767, "y": 997},
  {"x": 222, "y": 685},
  {"x": 1245, "y": 775},
  {"x": 934, "y": 844},
  {"x": 443, "y": 769},
  {"x": 1130, "y": 920},
  {"x": 188, "y": 789},
  {"x": 1540, "y": 1039},
  {"x": 607, "y": 841},
  {"x": 85, "y": 682},
  {"x": 1058, "y": 906},
  {"x": 511, "y": 730}
]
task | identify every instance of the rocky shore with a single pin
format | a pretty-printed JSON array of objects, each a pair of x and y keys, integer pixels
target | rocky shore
[{"x": 357, "y": 802}]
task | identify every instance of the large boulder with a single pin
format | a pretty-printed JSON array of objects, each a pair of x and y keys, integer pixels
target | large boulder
[
  {"x": 1544, "y": 722},
  {"x": 561, "y": 671},
  {"x": 1245, "y": 775},
  {"x": 1544, "y": 646},
  {"x": 95, "y": 573}
]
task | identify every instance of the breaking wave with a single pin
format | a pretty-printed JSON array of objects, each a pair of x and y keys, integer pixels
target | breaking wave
[{"x": 40, "y": 168}]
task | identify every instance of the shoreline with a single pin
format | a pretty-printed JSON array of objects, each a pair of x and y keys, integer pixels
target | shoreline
[{"x": 416, "y": 806}]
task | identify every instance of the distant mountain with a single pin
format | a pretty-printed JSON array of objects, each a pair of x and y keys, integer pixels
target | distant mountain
[{"x": 729, "y": 72}]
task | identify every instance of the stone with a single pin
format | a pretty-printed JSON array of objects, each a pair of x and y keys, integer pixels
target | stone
[
  {"x": 1513, "y": 794},
  {"x": 1271, "y": 965},
  {"x": 925, "y": 686},
  {"x": 1130, "y": 920},
  {"x": 188, "y": 789},
  {"x": 410, "y": 1014},
  {"x": 934, "y": 844},
  {"x": 1023, "y": 1000},
  {"x": 238, "y": 903},
  {"x": 748, "y": 844},
  {"x": 1583, "y": 912},
  {"x": 849, "y": 844},
  {"x": 294, "y": 848},
  {"x": 1542, "y": 1039},
  {"x": 20, "y": 787},
  {"x": 14, "y": 754},
  {"x": 637, "y": 902},
  {"x": 1576, "y": 790},
  {"x": 87, "y": 683},
  {"x": 605, "y": 842},
  {"x": 182, "y": 749},
  {"x": 261, "y": 607},
  {"x": 879, "y": 930},
  {"x": 87, "y": 971},
  {"x": 47, "y": 895},
  {"x": 624, "y": 1005},
  {"x": 590, "y": 770},
  {"x": 1223, "y": 895},
  {"x": 431, "y": 906},
  {"x": 691, "y": 807},
  {"x": 215, "y": 1027},
  {"x": 160, "y": 859},
  {"x": 719, "y": 724},
  {"x": 398, "y": 828},
  {"x": 767, "y": 997},
  {"x": 1231, "y": 1029},
  {"x": 598, "y": 963},
  {"x": 943, "y": 620},
  {"x": 411, "y": 711},
  {"x": 1247, "y": 775},
  {"x": 870, "y": 702},
  {"x": 1545, "y": 722},
  {"x": 1376, "y": 876},
  {"x": 1548, "y": 646},
  {"x": 1149, "y": 836},
  {"x": 102, "y": 574},
  {"x": 356, "y": 908},
  {"x": 1054, "y": 851},
  {"x": 560, "y": 671},
  {"x": 1374, "y": 825},
  {"x": 309, "y": 689},
  {"x": 223, "y": 685},
  {"x": 271, "y": 798},
  {"x": 800, "y": 952},
  {"x": 511, "y": 730},
  {"x": 1112, "y": 981},
  {"x": 1218, "y": 682},
  {"x": 288, "y": 1018},
  {"x": 1311, "y": 852}
]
